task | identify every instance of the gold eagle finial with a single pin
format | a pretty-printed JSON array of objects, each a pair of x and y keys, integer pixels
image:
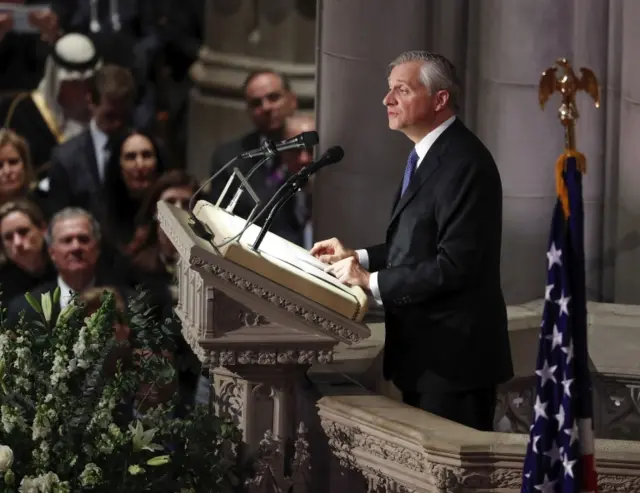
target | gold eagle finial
[{"x": 560, "y": 77}]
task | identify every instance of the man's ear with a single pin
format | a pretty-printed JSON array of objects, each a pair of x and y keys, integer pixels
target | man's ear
[{"x": 441, "y": 100}]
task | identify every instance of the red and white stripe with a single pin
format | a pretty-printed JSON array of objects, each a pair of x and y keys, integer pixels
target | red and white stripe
[{"x": 587, "y": 457}]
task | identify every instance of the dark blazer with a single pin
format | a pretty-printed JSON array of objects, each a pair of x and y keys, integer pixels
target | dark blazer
[
  {"x": 74, "y": 177},
  {"x": 439, "y": 272},
  {"x": 285, "y": 223},
  {"x": 20, "y": 304},
  {"x": 14, "y": 281}
]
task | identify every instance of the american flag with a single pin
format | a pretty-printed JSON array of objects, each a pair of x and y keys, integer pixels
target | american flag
[{"x": 560, "y": 453}]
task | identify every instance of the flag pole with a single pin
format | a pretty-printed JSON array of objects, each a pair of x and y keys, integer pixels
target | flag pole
[{"x": 560, "y": 452}]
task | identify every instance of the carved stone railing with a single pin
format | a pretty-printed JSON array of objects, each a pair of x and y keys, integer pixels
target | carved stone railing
[
  {"x": 400, "y": 449},
  {"x": 614, "y": 336}
]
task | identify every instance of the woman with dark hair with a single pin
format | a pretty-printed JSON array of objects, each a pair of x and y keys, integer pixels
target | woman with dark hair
[
  {"x": 134, "y": 166},
  {"x": 151, "y": 252},
  {"x": 154, "y": 258}
]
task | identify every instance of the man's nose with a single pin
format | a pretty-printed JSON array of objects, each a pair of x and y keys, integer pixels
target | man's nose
[
  {"x": 18, "y": 242},
  {"x": 75, "y": 245},
  {"x": 388, "y": 99}
]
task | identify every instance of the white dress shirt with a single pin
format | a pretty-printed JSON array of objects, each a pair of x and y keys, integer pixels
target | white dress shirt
[
  {"x": 100, "y": 141},
  {"x": 66, "y": 293},
  {"x": 422, "y": 148}
]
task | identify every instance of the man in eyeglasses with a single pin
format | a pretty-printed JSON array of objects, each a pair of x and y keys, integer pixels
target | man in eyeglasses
[{"x": 269, "y": 102}]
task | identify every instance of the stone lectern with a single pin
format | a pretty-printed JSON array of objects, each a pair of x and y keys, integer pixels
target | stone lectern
[{"x": 257, "y": 320}]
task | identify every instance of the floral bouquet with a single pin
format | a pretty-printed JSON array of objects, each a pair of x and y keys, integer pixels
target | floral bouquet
[{"x": 73, "y": 411}]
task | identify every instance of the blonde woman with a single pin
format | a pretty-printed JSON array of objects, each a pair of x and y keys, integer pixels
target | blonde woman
[{"x": 17, "y": 178}]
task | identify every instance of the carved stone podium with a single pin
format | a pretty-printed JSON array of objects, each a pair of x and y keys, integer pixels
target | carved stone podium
[{"x": 257, "y": 336}]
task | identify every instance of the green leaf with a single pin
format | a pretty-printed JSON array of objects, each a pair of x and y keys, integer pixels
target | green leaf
[
  {"x": 33, "y": 302},
  {"x": 45, "y": 300},
  {"x": 56, "y": 296},
  {"x": 135, "y": 470},
  {"x": 160, "y": 460}
]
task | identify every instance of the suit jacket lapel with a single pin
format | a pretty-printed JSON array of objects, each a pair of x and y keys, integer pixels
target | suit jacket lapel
[{"x": 427, "y": 167}]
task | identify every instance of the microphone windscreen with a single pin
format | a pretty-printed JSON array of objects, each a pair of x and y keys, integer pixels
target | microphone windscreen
[
  {"x": 309, "y": 139},
  {"x": 334, "y": 154}
]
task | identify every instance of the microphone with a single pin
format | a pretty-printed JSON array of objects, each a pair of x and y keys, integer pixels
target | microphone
[
  {"x": 331, "y": 156},
  {"x": 292, "y": 185},
  {"x": 301, "y": 141}
]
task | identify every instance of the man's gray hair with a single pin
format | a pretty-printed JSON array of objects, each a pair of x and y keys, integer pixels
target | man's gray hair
[
  {"x": 436, "y": 73},
  {"x": 70, "y": 213}
]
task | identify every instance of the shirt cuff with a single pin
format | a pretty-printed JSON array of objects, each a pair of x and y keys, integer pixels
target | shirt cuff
[
  {"x": 373, "y": 287},
  {"x": 363, "y": 258}
]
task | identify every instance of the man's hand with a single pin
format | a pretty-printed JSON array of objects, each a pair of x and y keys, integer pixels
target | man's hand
[
  {"x": 6, "y": 24},
  {"x": 332, "y": 251},
  {"x": 350, "y": 272},
  {"x": 47, "y": 23}
]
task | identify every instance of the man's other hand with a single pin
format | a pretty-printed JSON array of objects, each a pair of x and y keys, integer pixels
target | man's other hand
[
  {"x": 332, "y": 251},
  {"x": 350, "y": 272},
  {"x": 47, "y": 23}
]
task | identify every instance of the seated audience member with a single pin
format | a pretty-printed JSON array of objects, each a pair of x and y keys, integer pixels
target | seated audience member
[
  {"x": 57, "y": 110},
  {"x": 132, "y": 170},
  {"x": 92, "y": 300},
  {"x": 148, "y": 394},
  {"x": 154, "y": 393},
  {"x": 152, "y": 254},
  {"x": 154, "y": 258},
  {"x": 26, "y": 263},
  {"x": 269, "y": 101},
  {"x": 73, "y": 238},
  {"x": 295, "y": 160},
  {"x": 78, "y": 166},
  {"x": 16, "y": 172}
]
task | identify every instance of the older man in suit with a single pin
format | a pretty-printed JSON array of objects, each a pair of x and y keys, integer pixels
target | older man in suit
[
  {"x": 438, "y": 272},
  {"x": 73, "y": 239},
  {"x": 269, "y": 102}
]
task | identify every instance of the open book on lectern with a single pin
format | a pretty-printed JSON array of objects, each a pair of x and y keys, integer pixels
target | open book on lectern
[{"x": 281, "y": 262}]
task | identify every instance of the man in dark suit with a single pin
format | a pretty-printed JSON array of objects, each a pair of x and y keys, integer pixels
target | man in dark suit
[
  {"x": 438, "y": 272},
  {"x": 269, "y": 102},
  {"x": 78, "y": 166},
  {"x": 73, "y": 239}
]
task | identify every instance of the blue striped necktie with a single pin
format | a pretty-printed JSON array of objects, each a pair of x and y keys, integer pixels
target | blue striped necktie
[{"x": 409, "y": 170}]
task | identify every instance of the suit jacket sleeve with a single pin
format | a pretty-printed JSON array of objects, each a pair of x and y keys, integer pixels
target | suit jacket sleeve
[
  {"x": 464, "y": 217},
  {"x": 60, "y": 194},
  {"x": 377, "y": 257}
]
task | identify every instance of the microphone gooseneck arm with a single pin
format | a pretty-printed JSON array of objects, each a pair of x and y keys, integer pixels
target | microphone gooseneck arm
[{"x": 272, "y": 214}]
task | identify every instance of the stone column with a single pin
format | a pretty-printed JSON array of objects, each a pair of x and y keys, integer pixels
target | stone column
[
  {"x": 241, "y": 36},
  {"x": 627, "y": 258},
  {"x": 515, "y": 42},
  {"x": 357, "y": 40}
]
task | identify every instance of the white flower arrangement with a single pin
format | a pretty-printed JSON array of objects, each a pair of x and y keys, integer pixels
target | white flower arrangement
[{"x": 66, "y": 421}]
